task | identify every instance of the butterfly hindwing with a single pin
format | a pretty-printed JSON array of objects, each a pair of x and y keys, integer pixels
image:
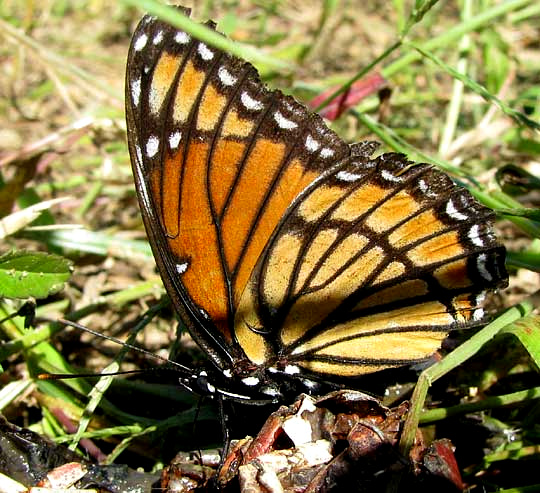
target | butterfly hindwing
[{"x": 370, "y": 269}]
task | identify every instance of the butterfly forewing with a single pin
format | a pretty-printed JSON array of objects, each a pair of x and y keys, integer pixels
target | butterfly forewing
[
  {"x": 218, "y": 159},
  {"x": 278, "y": 243}
]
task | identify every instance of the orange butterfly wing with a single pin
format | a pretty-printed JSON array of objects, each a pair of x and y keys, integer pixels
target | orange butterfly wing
[
  {"x": 279, "y": 243},
  {"x": 369, "y": 269},
  {"x": 217, "y": 159}
]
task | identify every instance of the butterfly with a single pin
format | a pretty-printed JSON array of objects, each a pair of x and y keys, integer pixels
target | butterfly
[{"x": 292, "y": 257}]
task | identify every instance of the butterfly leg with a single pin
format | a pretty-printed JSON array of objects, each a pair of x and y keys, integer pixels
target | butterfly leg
[{"x": 224, "y": 428}]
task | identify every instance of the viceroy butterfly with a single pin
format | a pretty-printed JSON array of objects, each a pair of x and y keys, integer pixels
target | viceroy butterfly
[{"x": 292, "y": 257}]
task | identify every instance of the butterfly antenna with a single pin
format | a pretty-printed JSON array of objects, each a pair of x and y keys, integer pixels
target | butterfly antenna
[
  {"x": 127, "y": 345},
  {"x": 66, "y": 376},
  {"x": 172, "y": 365}
]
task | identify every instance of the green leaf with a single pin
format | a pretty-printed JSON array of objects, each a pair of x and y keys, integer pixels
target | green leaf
[
  {"x": 527, "y": 330},
  {"x": 32, "y": 274},
  {"x": 209, "y": 36},
  {"x": 519, "y": 117},
  {"x": 533, "y": 214},
  {"x": 496, "y": 60}
]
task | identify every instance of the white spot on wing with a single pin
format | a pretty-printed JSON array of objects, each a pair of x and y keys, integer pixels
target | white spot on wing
[
  {"x": 210, "y": 387},
  {"x": 152, "y": 146},
  {"x": 424, "y": 188},
  {"x": 390, "y": 177},
  {"x": 181, "y": 268},
  {"x": 346, "y": 176},
  {"x": 251, "y": 381},
  {"x": 326, "y": 152},
  {"x": 205, "y": 52},
  {"x": 454, "y": 213},
  {"x": 140, "y": 43},
  {"x": 474, "y": 236},
  {"x": 312, "y": 145},
  {"x": 174, "y": 139},
  {"x": 136, "y": 91},
  {"x": 226, "y": 78},
  {"x": 284, "y": 122},
  {"x": 182, "y": 38},
  {"x": 227, "y": 373},
  {"x": 481, "y": 266},
  {"x": 158, "y": 38},
  {"x": 292, "y": 370},
  {"x": 250, "y": 103}
]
